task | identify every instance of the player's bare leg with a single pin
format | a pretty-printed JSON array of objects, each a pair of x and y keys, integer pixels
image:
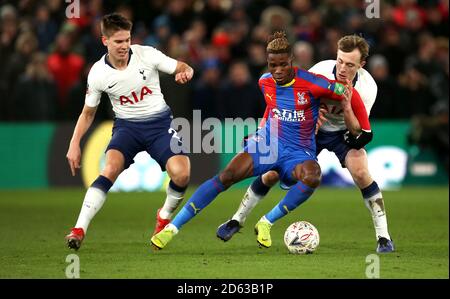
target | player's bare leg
[
  {"x": 95, "y": 197},
  {"x": 178, "y": 168},
  {"x": 239, "y": 168},
  {"x": 357, "y": 164}
]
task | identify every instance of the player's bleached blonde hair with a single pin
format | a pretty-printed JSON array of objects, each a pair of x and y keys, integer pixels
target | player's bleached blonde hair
[
  {"x": 278, "y": 43},
  {"x": 350, "y": 42}
]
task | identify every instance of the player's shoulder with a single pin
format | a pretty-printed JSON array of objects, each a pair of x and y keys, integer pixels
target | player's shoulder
[
  {"x": 312, "y": 78},
  {"x": 366, "y": 77},
  {"x": 145, "y": 51},
  {"x": 265, "y": 78},
  {"x": 138, "y": 49},
  {"x": 324, "y": 68},
  {"x": 326, "y": 65},
  {"x": 98, "y": 69}
]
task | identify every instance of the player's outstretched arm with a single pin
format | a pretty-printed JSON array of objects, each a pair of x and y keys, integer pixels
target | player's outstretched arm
[
  {"x": 83, "y": 124},
  {"x": 183, "y": 72}
]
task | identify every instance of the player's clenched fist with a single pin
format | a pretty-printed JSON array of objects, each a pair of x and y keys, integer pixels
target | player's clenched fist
[
  {"x": 183, "y": 73},
  {"x": 185, "y": 76}
]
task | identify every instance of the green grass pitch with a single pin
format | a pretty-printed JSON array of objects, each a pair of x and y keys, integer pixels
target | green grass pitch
[{"x": 33, "y": 225}]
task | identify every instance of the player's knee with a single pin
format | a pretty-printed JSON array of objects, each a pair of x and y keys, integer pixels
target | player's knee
[
  {"x": 360, "y": 176},
  {"x": 311, "y": 174},
  {"x": 312, "y": 180},
  {"x": 227, "y": 177},
  {"x": 181, "y": 179},
  {"x": 178, "y": 168},
  {"x": 270, "y": 178},
  {"x": 112, "y": 171}
]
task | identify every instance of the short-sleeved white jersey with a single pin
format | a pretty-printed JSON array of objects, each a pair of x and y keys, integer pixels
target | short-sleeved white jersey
[
  {"x": 134, "y": 92},
  {"x": 363, "y": 83}
]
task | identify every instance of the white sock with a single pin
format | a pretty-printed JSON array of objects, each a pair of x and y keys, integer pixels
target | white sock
[
  {"x": 249, "y": 201},
  {"x": 378, "y": 216},
  {"x": 264, "y": 219},
  {"x": 173, "y": 200},
  {"x": 93, "y": 202},
  {"x": 172, "y": 228}
]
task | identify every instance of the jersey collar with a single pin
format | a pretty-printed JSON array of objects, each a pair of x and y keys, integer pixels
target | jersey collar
[{"x": 129, "y": 58}]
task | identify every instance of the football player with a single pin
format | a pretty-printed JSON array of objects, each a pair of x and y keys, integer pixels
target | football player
[{"x": 128, "y": 74}]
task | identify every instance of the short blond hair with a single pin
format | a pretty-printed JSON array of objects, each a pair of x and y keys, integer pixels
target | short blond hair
[{"x": 350, "y": 42}]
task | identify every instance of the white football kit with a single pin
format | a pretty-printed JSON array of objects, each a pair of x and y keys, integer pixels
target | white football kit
[
  {"x": 363, "y": 83},
  {"x": 134, "y": 92}
]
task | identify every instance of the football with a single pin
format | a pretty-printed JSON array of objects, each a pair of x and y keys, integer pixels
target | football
[{"x": 301, "y": 237}]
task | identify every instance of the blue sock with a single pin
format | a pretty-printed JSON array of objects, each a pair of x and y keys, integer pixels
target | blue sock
[
  {"x": 102, "y": 183},
  {"x": 176, "y": 187},
  {"x": 202, "y": 197},
  {"x": 259, "y": 188},
  {"x": 370, "y": 190},
  {"x": 298, "y": 194}
]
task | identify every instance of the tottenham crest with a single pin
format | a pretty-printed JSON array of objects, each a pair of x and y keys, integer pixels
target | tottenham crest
[{"x": 143, "y": 73}]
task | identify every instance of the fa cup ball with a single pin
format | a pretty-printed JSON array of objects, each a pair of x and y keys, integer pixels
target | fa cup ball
[{"x": 301, "y": 237}]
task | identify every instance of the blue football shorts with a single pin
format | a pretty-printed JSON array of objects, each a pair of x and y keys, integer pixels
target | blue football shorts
[
  {"x": 274, "y": 155},
  {"x": 155, "y": 136},
  {"x": 333, "y": 142}
]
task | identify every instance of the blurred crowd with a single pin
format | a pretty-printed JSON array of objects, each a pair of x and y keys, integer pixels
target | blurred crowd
[{"x": 46, "y": 56}]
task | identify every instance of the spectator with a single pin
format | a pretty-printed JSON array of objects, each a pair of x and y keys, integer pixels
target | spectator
[
  {"x": 206, "y": 94},
  {"x": 412, "y": 39},
  {"x": 46, "y": 28},
  {"x": 66, "y": 67},
  {"x": 414, "y": 95},
  {"x": 194, "y": 38},
  {"x": 92, "y": 43},
  {"x": 160, "y": 33},
  {"x": 407, "y": 14},
  {"x": 15, "y": 66},
  {"x": 222, "y": 45},
  {"x": 278, "y": 18},
  {"x": 35, "y": 95},
  {"x": 391, "y": 47},
  {"x": 257, "y": 59},
  {"x": 240, "y": 96},
  {"x": 212, "y": 15},
  {"x": 385, "y": 106},
  {"x": 8, "y": 34},
  {"x": 304, "y": 55}
]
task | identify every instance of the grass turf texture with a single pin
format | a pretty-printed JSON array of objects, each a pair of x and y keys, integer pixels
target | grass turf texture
[{"x": 33, "y": 225}]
